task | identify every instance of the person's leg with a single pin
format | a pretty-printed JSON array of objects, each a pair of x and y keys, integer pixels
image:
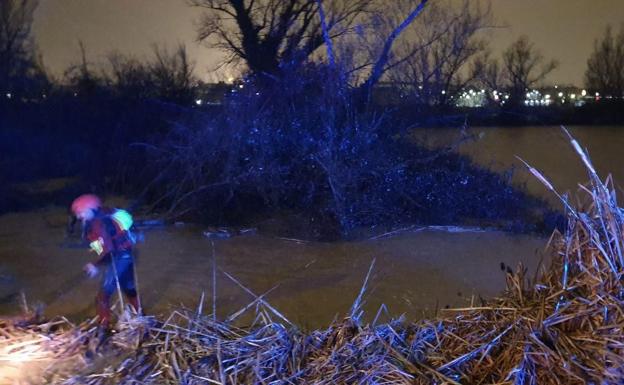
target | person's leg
[
  {"x": 102, "y": 305},
  {"x": 107, "y": 287},
  {"x": 126, "y": 281}
]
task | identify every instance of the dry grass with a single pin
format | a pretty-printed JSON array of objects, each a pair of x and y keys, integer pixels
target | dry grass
[{"x": 566, "y": 328}]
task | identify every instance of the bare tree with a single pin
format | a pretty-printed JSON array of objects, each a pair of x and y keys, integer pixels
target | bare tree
[
  {"x": 524, "y": 67},
  {"x": 486, "y": 72},
  {"x": 433, "y": 58},
  {"x": 83, "y": 77},
  {"x": 168, "y": 75},
  {"x": 17, "y": 51},
  {"x": 380, "y": 66},
  {"x": 172, "y": 74},
  {"x": 266, "y": 33},
  {"x": 605, "y": 66},
  {"x": 128, "y": 76}
]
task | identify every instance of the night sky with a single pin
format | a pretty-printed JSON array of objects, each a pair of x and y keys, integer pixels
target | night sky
[{"x": 561, "y": 29}]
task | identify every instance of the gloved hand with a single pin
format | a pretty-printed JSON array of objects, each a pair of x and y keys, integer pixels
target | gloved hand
[{"x": 90, "y": 270}]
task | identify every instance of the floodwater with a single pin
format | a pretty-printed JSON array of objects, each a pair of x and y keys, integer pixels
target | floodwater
[
  {"x": 545, "y": 147},
  {"x": 417, "y": 271}
]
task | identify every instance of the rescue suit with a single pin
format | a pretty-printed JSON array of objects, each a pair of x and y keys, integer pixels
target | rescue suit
[{"x": 109, "y": 236}]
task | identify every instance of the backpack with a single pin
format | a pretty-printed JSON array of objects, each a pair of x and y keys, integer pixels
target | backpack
[{"x": 124, "y": 222}]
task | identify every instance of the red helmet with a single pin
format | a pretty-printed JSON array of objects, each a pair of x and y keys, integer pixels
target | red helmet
[{"x": 85, "y": 202}]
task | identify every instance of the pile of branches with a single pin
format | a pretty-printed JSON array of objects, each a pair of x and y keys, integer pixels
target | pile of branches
[{"x": 564, "y": 328}]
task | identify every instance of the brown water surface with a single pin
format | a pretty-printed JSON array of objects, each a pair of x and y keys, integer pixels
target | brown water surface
[
  {"x": 415, "y": 272},
  {"x": 544, "y": 147}
]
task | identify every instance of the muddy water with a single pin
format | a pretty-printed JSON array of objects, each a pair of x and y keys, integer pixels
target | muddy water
[
  {"x": 546, "y": 148},
  {"x": 416, "y": 271}
]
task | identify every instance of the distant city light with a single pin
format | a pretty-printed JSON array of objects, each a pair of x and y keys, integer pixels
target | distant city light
[
  {"x": 198, "y": 102},
  {"x": 443, "y": 92},
  {"x": 9, "y": 95},
  {"x": 533, "y": 97},
  {"x": 230, "y": 79},
  {"x": 240, "y": 86}
]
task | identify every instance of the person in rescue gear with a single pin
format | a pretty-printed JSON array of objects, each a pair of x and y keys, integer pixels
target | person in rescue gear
[{"x": 108, "y": 233}]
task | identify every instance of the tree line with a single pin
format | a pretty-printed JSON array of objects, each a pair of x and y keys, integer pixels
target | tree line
[{"x": 430, "y": 58}]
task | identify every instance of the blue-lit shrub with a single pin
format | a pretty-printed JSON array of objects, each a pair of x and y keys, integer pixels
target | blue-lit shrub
[{"x": 307, "y": 143}]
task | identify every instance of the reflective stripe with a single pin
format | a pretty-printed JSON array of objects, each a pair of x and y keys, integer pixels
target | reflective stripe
[{"x": 97, "y": 246}]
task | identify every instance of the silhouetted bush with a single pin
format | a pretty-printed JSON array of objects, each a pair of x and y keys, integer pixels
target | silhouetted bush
[{"x": 302, "y": 144}]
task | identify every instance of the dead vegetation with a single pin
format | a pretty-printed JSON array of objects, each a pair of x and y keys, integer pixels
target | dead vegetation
[{"x": 563, "y": 328}]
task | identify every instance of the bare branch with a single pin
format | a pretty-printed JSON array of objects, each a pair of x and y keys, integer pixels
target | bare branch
[
  {"x": 524, "y": 67},
  {"x": 266, "y": 33},
  {"x": 380, "y": 64}
]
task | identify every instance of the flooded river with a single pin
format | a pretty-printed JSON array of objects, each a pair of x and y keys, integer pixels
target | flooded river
[
  {"x": 546, "y": 148},
  {"x": 417, "y": 270}
]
